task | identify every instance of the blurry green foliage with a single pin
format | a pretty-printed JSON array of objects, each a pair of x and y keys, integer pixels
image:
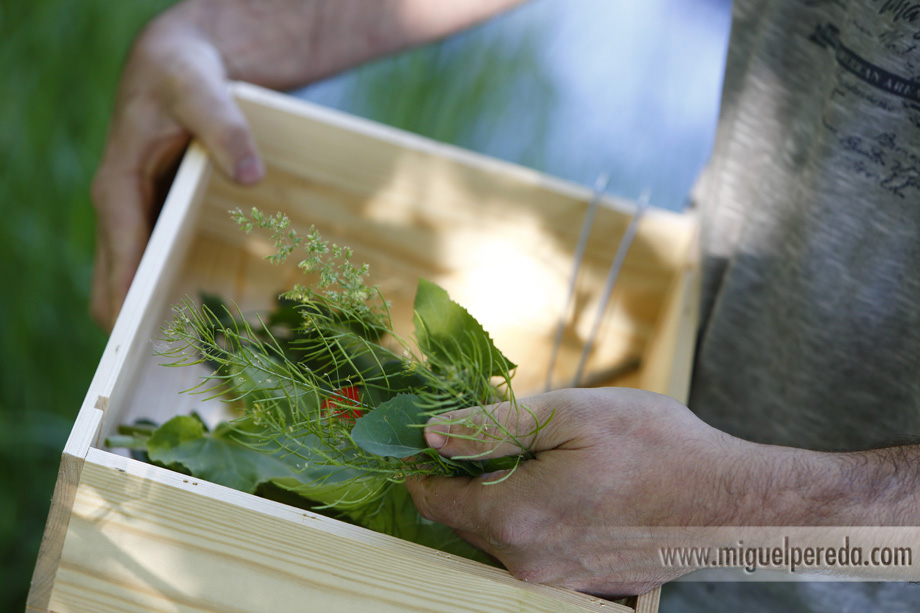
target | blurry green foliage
[{"x": 59, "y": 61}]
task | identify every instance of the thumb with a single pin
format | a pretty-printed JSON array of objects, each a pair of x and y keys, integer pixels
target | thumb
[
  {"x": 495, "y": 431},
  {"x": 207, "y": 109}
]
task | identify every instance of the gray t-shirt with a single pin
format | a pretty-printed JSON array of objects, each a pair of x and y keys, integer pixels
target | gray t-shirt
[{"x": 811, "y": 236}]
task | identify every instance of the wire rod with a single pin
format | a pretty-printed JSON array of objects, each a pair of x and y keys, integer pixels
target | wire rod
[
  {"x": 600, "y": 187},
  {"x": 612, "y": 275}
]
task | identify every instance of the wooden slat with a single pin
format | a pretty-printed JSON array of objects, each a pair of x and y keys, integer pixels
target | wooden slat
[
  {"x": 351, "y": 162},
  {"x": 49, "y": 554},
  {"x": 148, "y": 539},
  {"x": 648, "y": 602},
  {"x": 669, "y": 358},
  {"x": 167, "y": 246},
  {"x": 78, "y": 443}
]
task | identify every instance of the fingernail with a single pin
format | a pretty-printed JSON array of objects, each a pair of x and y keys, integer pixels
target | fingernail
[
  {"x": 437, "y": 438},
  {"x": 249, "y": 170}
]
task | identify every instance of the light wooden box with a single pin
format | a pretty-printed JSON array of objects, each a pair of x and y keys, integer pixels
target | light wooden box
[{"x": 126, "y": 536}]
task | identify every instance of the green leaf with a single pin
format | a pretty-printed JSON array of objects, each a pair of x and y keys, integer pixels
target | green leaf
[
  {"x": 397, "y": 516},
  {"x": 345, "y": 492},
  {"x": 393, "y": 429},
  {"x": 135, "y": 443},
  {"x": 217, "y": 458},
  {"x": 174, "y": 432},
  {"x": 445, "y": 330},
  {"x": 221, "y": 457}
]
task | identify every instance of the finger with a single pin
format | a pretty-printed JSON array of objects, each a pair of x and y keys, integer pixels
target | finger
[
  {"x": 462, "y": 503},
  {"x": 495, "y": 518},
  {"x": 499, "y": 430},
  {"x": 204, "y": 104},
  {"x": 479, "y": 543},
  {"x": 143, "y": 148},
  {"x": 123, "y": 228},
  {"x": 439, "y": 504},
  {"x": 100, "y": 308}
]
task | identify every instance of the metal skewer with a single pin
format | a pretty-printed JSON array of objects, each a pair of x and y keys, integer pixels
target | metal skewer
[
  {"x": 612, "y": 276},
  {"x": 600, "y": 186}
]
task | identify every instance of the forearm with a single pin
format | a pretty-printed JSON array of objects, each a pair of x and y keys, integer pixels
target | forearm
[
  {"x": 783, "y": 486},
  {"x": 287, "y": 43}
]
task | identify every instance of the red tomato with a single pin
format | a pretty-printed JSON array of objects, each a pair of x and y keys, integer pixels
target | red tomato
[{"x": 344, "y": 403}]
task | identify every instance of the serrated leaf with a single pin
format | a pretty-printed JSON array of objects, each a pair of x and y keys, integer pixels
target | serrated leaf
[
  {"x": 393, "y": 428},
  {"x": 446, "y": 330}
]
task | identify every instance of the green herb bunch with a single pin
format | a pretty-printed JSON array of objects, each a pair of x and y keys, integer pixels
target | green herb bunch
[{"x": 331, "y": 395}]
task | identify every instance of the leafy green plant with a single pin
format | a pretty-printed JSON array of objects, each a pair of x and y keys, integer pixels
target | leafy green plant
[{"x": 333, "y": 402}]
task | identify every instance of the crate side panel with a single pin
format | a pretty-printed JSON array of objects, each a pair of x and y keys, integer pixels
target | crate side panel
[
  {"x": 392, "y": 171},
  {"x": 129, "y": 343},
  {"x": 648, "y": 602},
  {"x": 143, "y": 538},
  {"x": 159, "y": 393},
  {"x": 670, "y": 355},
  {"x": 84, "y": 432},
  {"x": 49, "y": 554}
]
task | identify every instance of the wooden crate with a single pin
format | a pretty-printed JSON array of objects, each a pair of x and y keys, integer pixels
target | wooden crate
[{"x": 126, "y": 536}]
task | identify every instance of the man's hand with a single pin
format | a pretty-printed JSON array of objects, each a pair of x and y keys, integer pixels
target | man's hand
[
  {"x": 175, "y": 86},
  {"x": 606, "y": 459},
  {"x": 611, "y": 466}
]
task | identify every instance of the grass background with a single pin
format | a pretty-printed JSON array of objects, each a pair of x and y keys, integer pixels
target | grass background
[{"x": 59, "y": 61}]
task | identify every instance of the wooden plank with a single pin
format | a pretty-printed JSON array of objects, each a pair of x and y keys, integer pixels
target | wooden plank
[
  {"x": 354, "y": 162},
  {"x": 280, "y": 122},
  {"x": 49, "y": 552},
  {"x": 168, "y": 244},
  {"x": 669, "y": 358},
  {"x": 648, "y": 602},
  {"x": 147, "y": 539}
]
